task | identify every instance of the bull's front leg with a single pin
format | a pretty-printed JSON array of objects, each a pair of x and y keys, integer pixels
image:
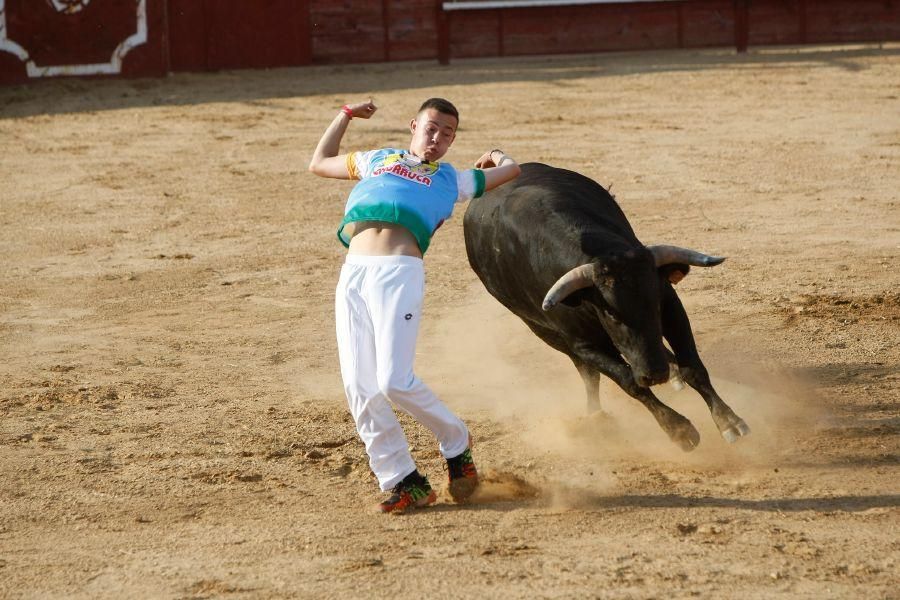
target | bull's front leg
[
  {"x": 678, "y": 428},
  {"x": 677, "y": 331}
]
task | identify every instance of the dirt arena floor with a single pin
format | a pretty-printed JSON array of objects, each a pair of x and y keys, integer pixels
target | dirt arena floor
[{"x": 172, "y": 421}]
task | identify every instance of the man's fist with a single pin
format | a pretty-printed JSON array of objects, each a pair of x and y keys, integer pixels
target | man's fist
[
  {"x": 485, "y": 161},
  {"x": 362, "y": 110}
]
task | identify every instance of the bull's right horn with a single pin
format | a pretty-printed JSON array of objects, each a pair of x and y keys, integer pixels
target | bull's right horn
[
  {"x": 666, "y": 255},
  {"x": 576, "y": 279}
]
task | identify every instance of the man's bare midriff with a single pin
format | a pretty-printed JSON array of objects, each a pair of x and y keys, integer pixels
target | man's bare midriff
[{"x": 378, "y": 238}]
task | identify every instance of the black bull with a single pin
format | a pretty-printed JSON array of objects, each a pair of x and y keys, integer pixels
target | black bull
[{"x": 555, "y": 249}]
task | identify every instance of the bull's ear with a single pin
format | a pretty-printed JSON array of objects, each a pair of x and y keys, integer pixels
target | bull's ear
[{"x": 674, "y": 272}]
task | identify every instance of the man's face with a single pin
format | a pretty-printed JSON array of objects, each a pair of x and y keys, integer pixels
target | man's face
[{"x": 432, "y": 134}]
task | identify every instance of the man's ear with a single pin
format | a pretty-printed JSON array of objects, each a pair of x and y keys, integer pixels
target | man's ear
[{"x": 412, "y": 125}]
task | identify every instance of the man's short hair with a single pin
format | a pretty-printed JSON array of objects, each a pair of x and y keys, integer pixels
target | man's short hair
[{"x": 442, "y": 106}]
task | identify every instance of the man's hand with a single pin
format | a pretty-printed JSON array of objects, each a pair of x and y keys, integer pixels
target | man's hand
[
  {"x": 498, "y": 168},
  {"x": 362, "y": 110},
  {"x": 485, "y": 161}
]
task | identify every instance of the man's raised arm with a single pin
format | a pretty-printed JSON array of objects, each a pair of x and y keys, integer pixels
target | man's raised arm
[{"x": 326, "y": 162}]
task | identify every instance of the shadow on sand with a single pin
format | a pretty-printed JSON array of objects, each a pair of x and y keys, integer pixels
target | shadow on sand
[
  {"x": 85, "y": 95},
  {"x": 821, "y": 504},
  {"x": 848, "y": 504}
]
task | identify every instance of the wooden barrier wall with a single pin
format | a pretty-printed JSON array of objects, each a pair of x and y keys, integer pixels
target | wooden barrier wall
[{"x": 47, "y": 38}]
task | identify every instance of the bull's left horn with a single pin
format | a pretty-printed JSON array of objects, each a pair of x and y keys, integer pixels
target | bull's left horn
[
  {"x": 665, "y": 255},
  {"x": 576, "y": 279}
]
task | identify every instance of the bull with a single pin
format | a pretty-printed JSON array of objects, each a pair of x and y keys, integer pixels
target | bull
[{"x": 555, "y": 248}]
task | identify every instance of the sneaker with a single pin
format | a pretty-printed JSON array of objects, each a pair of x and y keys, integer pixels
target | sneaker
[
  {"x": 463, "y": 476},
  {"x": 413, "y": 491}
]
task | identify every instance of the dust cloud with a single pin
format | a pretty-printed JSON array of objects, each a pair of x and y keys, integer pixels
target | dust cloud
[{"x": 482, "y": 360}]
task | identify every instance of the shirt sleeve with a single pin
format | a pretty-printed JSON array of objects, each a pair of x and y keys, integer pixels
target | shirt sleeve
[
  {"x": 359, "y": 164},
  {"x": 470, "y": 184}
]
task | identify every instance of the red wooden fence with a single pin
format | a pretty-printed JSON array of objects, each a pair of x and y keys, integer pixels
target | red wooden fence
[{"x": 47, "y": 38}]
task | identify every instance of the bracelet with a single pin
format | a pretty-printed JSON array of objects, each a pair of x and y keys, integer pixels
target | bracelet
[{"x": 347, "y": 111}]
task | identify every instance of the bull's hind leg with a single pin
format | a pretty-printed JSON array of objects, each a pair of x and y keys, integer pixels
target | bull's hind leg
[
  {"x": 589, "y": 376},
  {"x": 591, "y": 379},
  {"x": 678, "y": 428},
  {"x": 677, "y": 331},
  {"x": 675, "y": 379}
]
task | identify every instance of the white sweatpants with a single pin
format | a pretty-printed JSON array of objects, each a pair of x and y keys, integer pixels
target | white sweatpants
[{"x": 378, "y": 305}]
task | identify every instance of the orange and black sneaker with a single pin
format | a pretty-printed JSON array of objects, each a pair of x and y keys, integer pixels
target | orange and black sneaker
[
  {"x": 414, "y": 491},
  {"x": 463, "y": 476}
]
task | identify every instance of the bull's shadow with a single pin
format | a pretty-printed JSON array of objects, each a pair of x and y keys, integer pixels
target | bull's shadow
[
  {"x": 588, "y": 501},
  {"x": 819, "y": 504}
]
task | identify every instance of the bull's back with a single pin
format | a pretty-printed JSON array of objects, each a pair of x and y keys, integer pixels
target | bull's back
[
  {"x": 542, "y": 196},
  {"x": 523, "y": 235}
]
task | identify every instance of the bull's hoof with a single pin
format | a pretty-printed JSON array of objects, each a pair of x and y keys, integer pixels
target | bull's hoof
[
  {"x": 736, "y": 430},
  {"x": 685, "y": 435}
]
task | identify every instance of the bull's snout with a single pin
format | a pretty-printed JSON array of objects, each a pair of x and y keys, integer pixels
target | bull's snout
[{"x": 654, "y": 378}]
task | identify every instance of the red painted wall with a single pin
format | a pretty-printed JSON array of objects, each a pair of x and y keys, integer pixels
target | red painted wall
[
  {"x": 237, "y": 34},
  {"x": 839, "y": 21},
  {"x": 351, "y": 31},
  {"x": 199, "y": 35},
  {"x": 54, "y": 40},
  {"x": 709, "y": 23},
  {"x": 776, "y": 22}
]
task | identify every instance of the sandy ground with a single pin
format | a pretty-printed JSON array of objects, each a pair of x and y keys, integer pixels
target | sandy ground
[{"x": 172, "y": 422}]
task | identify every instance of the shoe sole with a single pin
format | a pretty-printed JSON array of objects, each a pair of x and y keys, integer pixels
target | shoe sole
[
  {"x": 431, "y": 498},
  {"x": 463, "y": 488}
]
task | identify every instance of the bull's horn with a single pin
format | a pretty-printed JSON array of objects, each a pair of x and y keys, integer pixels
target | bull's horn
[
  {"x": 576, "y": 279},
  {"x": 665, "y": 255}
]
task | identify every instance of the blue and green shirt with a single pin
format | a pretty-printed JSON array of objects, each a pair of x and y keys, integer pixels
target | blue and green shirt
[{"x": 398, "y": 187}]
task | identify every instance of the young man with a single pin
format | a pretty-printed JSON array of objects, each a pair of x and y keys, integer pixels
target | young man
[{"x": 402, "y": 197}]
